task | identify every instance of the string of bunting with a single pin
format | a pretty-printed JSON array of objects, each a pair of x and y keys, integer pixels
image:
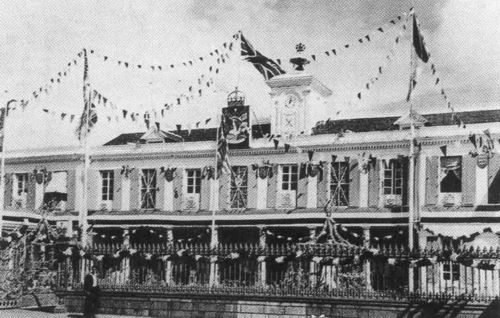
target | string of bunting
[
  {"x": 367, "y": 38},
  {"x": 220, "y": 54},
  {"x": 50, "y": 85}
]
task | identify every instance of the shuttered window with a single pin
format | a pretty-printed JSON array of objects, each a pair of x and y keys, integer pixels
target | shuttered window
[
  {"x": 451, "y": 174},
  {"x": 393, "y": 178},
  {"x": 339, "y": 183},
  {"x": 289, "y": 177},
  {"x": 148, "y": 189}
]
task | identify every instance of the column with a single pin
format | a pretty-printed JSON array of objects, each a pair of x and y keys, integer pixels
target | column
[
  {"x": 312, "y": 265},
  {"x": 125, "y": 265},
  {"x": 367, "y": 264},
  {"x": 363, "y": 189},
  {"x": 39, "y": 195},
  {"x": 168, "y": 195},
  {"x": 168, "y": 262},
  {"x": 214, "y": 270},
  {"x": 312, "y": 190},
  {"x": 262, "y": 261},
  {"x": 422, "y": 271},
  {"x": 261, "y": 193}
]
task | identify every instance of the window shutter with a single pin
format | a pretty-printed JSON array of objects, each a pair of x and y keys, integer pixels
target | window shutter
[
  {"x": 374, "y": 184},
  {"x": 8, "y": 189},
  {"x": 71, "y": 190},
  {"x": 468, "y": 180},
  {"x": 135, "y": 189},
  {"x": 252, "y": 189},
  {"x": 405, "y": 165},
  {"x": 205, "y": 194},
  {"x": 117, "y": 190},
  {"x": 493, "y": 178},
  {"x": 354, "y": 183},
  {"x": 178, "y": 191},
  {"x": 31, "y": 195},
  {"x": 302, "y": 192},
  {"x": 272, "y": 187},
  {"x": 323, "y": 192},
  {"x": 160, "y": 190},
  {"x": 432, "y": 184},
  {"x": 94, "y": 189},
  {"x": 224, "y": 184}
]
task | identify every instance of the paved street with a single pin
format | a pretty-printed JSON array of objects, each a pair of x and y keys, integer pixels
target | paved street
[{"x": 19, "y": 313}]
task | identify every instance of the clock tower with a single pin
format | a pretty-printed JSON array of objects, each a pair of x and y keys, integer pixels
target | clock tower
[{"x": 298, "y": 99}]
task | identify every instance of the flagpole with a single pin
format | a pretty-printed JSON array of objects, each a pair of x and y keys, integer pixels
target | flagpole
[
  {"x": 83, "y": 213},
  {"x": 213, "y": 238},
  {"x": 411, "y": 176}
]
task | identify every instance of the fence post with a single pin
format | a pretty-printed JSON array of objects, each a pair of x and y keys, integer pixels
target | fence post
[
  {"x": 313, "y": 276},
  {"x": 262, "y": 264},
  {"x": 367, "y": 263},
  {"x": 214, "y": 242}
]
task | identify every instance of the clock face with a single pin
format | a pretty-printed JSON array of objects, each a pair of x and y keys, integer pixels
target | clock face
[{"x": 291, "y": 101}]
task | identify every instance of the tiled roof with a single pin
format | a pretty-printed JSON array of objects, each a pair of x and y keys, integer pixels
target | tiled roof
[
  {"x": 387, "y": 123},
  {"x": 204, "y": 134}
]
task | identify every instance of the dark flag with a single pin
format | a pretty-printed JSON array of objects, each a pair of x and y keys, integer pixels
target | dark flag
[
  {"x": 266, "y": 66},
  {"x": 88, "y": 107},
  {"x": 222, "y": 150},
  {"x": 418, "y": 42}
]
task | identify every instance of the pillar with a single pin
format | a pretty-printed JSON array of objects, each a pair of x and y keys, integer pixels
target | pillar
[
  {"x": 125, "y": 197},
  {"x": 367, "y": 263},
  {"x": 481, "y": 186},
  {"x": 312, "y": 265},
  {"x": 214, "y": 194},
  {"x": 168, "y": 262},
  {"x": 125, "y": 265},
  {"x": 262, "y": 262},
  {"x": 312, "y": 191},
  {"x": 214, "y": 268}
]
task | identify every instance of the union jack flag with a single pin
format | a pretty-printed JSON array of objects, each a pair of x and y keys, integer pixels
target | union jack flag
[{"x": 266, "y": 66}]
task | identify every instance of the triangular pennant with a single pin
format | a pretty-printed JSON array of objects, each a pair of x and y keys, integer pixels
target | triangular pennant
[
  {"x": 276, "y": 143},
  {"x": 334, "y": 52},
  {"x": 207, "y": 120},
  {"x": 310, "y": 154},
  {"x": 444, "y": 150},
  {"x": 367, "y": 37},
  {"x": 381, "y": 30},
  {"x": 287, "y": 148},
  {"x": 124, "y": 113}
]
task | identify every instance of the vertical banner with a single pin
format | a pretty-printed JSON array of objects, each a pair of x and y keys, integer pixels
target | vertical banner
[{"x": 237, "y": 126}]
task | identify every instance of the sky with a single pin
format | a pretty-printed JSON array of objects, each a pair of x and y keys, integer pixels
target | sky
[{"x": 40, "y": 37}]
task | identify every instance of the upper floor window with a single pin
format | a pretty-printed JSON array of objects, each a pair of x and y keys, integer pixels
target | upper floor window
[
  {"x": 107, "y": 178},
  {"x": 339, "y": 183},
  {"x": 20, "y": 189},
  {"x": 56, "y": 191},
  {"x": 193, "y": 181},
  {"x": 451, "y": 174},
  {"x": 289, "y": 177},
  {"x": 148, "y": 189},
  {"x": 393, "y": 177},
  {"x": 239, "y": 183}
]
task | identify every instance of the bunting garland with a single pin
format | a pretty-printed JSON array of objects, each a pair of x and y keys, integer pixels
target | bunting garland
[{"x": 220, "y": 54}]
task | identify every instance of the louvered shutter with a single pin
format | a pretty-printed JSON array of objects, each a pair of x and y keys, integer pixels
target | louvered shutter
[
  {"x": 94, "y": 189},
  {"x": 71, "y": 190},
  {"x": 160, "y": 190},
  {"x": 272, "y": 186},
  {"x": 493, "y": 178},
  {"x": 323, "y": 192},
  {"x": 8, "y": 189},
  {"x": 431, "y": 183},
  {"x": 302, "y": 192},
  {"x": 252, "y": 189},
  {"x": 224, "y": 184},
  {"x": 374, "y": 184},
  {"x": 135, "y": 189},
  {"x": 31, "y": 195},
  {"x": 205, "y": 194},
  {"x": 354, "y": 174},
  {"x": 469, "y": 180},
  {"x": 117, "y": 190},
  {"x": 178, "y": 191}
]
